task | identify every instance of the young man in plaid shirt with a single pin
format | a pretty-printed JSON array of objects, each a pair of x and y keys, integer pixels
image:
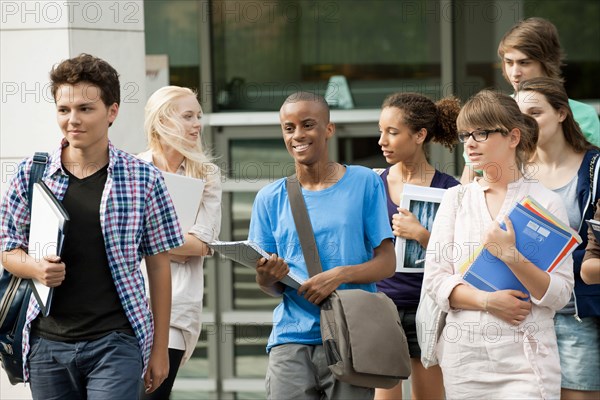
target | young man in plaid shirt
[{"x": 101, "y": 336}]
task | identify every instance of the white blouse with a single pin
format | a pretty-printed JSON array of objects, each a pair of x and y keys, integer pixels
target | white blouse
[
  {"x": 187, "y": 280},
  {"x": 479, "y": 353}
]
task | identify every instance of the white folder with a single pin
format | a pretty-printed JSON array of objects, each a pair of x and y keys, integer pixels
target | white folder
[
  {"x": 49, "y": 223},
  {"x": 186, "y": 194}
]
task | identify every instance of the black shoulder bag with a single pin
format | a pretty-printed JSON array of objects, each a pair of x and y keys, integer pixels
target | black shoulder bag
[{"x": 14, "y": 298}]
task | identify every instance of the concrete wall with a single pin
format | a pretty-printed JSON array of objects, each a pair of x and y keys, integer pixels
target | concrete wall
[{"x": 35, "y": 35}]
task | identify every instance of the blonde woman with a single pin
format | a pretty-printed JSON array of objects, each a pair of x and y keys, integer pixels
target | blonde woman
[
  {"x": 495, "y": 344},
  {"x": 173, "y": 128}
]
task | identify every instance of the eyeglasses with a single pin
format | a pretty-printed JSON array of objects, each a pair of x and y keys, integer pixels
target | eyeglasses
[{"x": 479, "y": 135}]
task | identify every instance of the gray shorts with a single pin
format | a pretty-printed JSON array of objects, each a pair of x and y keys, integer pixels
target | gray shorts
[{"x": 299, "y": 371}]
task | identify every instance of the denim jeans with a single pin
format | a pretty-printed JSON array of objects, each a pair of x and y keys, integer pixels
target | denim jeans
[
  {"x": 579, "y": 352},
  {"x": 106, "y": 368}
]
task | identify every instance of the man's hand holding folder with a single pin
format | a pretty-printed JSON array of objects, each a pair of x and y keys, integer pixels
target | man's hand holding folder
[{"x": 52, "y": 271}]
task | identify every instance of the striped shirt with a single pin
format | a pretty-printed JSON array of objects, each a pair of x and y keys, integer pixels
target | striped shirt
[{"x": 137, "y": 220}]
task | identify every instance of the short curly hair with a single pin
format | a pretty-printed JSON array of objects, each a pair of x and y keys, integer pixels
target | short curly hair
[{"x": 87, "y": 68}]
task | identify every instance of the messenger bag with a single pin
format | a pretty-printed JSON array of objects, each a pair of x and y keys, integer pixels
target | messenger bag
[{"x": 362, "y": 335}]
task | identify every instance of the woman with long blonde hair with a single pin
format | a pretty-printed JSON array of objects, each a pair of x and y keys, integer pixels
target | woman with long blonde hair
[{"x": 173, "y": 128}]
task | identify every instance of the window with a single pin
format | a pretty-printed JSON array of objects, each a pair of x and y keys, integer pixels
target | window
[
  {"x": 172, "y": 29},
  {"x": 265, "y": 51}
]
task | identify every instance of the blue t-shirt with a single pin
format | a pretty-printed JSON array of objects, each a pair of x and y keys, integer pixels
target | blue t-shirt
[
  {"x": 348, "y": 220},
  {"x": 405, "y": 288}
]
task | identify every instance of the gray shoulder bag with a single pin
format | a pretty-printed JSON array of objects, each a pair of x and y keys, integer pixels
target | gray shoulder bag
[
  {"x": 362, "y": 336},
  {"x": 430, "y": 318}
]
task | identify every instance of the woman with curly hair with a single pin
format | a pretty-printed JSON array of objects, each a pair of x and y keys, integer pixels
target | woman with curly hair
[{"x": 409, "y": 121}]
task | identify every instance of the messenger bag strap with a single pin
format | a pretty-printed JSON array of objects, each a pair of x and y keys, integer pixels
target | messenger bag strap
[
  {"x": 38, "y": 167},
  {"x": 303, "y": 226}
]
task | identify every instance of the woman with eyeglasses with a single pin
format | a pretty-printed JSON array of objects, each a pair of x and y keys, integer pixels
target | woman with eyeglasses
[
  {"x": 495, "y": 344},
  {"x": 409, "y": 121},
  {"x": 562, "y": 163}
]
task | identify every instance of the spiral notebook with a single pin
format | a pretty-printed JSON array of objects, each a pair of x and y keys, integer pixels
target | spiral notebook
[{"x": 540, "y": 237}]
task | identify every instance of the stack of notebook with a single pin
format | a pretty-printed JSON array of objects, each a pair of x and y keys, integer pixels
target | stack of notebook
[{"x": 540, "y": 237}]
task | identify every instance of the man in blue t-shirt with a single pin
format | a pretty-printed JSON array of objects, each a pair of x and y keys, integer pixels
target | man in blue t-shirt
[{"x": 346, "y": 206}]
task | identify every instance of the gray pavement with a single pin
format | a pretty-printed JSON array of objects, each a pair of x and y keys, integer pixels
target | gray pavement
[{"x": 10, "y": 392}]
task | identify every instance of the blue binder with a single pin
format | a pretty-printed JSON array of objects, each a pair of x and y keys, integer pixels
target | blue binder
[{"x": 537, "y": 239}]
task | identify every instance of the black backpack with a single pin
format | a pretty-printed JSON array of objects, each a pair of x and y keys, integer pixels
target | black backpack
[{"x": 14, "y": 299}]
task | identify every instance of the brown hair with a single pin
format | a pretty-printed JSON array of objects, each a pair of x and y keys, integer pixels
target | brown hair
[
  {"x": 537, "y": 38},
  {"x": 438, "y": 119},
  {"x": 554, "y": 92},
  {"x": 494, "y": 110},
  {"x": 87, "y": 68}
]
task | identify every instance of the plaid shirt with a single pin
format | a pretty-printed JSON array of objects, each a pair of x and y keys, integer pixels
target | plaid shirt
[{"x": 137, "y": 220}]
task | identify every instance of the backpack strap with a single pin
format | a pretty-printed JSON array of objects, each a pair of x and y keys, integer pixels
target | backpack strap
[
  {"x": 594, "y": 169},
  {"x": 40, "y": 160}
]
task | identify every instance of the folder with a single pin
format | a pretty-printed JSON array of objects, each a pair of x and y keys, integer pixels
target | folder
[
  {"x": 49, "y": 224},
  {"x": 248, "y": 253},
  {"x": 186, "y": 194},
  {"x": 423, "y": 202},
  {"x": 540, "y": 237}
]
